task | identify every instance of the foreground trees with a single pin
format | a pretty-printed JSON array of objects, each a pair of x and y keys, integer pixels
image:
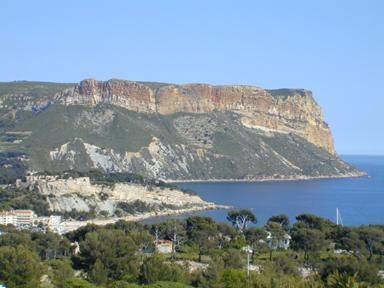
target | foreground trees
[
  {"x": 275, "y": 237},
  {"x": 205, "y": 254},
  {"x": 281, "y": 219},
  {"x": 156, "y": 269},
  {"x": 308, "y": 240},
  {"x": 109, "y": 253},
  {"x": 19, "y": 267},
  {"x": 373, "y": 238},
  {"x": 241, "y": 219}
]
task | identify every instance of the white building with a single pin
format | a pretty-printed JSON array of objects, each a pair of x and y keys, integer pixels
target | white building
[
  {"x": 18, "y": 218},
  {"x": 279, "y": 244},
  {"x": 164, "y": 246},
  {"x": 51, "y": 223},
  {"x": 24, "y": 218},
  {"x": 54, "y": 224},
  {"x": 7, "y": 218}
]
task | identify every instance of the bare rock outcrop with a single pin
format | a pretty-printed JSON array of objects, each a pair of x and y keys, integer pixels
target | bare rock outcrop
[
  {"x": 283, "y": 110},
  {"x": 80, "y": 194},
  {"x": 168, "y": 131}
]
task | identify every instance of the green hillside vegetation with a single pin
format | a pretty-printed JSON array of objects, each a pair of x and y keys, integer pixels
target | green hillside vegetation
[
  {"x": 12, "y": 167},
  {"x": 32, "y": 88},
  {"x": 98, "y": 176},
  {"x": 189, "y": 146},
  {"x": 231, "y": 151},
  {"x": 122, "y": 255},
  {"x": 13, "y": 198}
]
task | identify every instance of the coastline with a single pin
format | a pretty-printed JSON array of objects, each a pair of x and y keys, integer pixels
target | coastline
[
  {"x": 71, "y": 225},
  {"x": 270, "y": 179}
]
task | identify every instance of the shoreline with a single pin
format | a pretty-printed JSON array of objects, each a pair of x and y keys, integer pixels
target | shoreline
[
  {"x": 71, "y": 225},
  {"x": 269, "y": 179}
]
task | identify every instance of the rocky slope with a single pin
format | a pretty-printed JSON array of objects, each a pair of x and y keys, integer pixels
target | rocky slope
[
  {"x": 118, "y": 199},
  {"x": 284, "y": 110},
  {"x": 172, "y": 132}
]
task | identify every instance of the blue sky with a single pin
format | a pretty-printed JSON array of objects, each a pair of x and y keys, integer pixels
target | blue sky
[{"x": 334, "y": 48}]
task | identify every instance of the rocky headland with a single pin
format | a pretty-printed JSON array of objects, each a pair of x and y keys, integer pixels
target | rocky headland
[{"x": 172, "y": 132}]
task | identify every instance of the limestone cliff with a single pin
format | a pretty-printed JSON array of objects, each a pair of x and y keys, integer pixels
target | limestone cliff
[
  {"x": 282, "y": 110},
  {"x": 81, "y": 195},
  {"x": 166, "y": 131}
]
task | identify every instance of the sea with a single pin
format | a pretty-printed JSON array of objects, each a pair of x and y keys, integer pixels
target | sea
[{"x": 360, "y": 201}]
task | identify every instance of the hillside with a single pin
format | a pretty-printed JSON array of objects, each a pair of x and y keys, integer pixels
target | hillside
[{"x": 167, "y": 131}]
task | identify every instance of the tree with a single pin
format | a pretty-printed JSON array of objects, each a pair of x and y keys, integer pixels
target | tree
[
  {"x": 285, "y": 264},
  {"x": 98, "y": 274},
  {"x": 257, "y": 239},
  {"x": 315, "y": 222},
  {"x": 359, "y": 268},
  {"x": 79, "y": 234},
  {"x": 348, "y": 239},
  {"x": 114, "y": 249},
  {"x": 213, "y": 274},
  {"x": 308, "y": 240},
  {"x": 240, "y": 219},
  {"x": 233, "y": 278},
  {"x": 62, "y": 271},
  {"x": 203, "y": 232},
  {"x": 48, "y": 245},
  {"x": 233, "y": 259},
  {"x": 19, "y": 267},
  {"x": 281, "y": 219},
  {"x": 225, "y": 235},
  {"x": 126, "y": 226},
  {"x": 173, "y": 230},
  {"x": 155, "y": 231},
  {"x": 275, "y": 237},
  {"x": 155, "y": 269},
  {"x": 143, "y": 239},
  {"x": 373, "y": 238},
  {"x": 13, "y": 238}
]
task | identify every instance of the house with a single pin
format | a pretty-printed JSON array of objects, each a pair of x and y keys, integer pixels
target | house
[
  {"x": 24, "y": 218},
  {"x": 51, "y": 223},
  {"x": 7, "y": 217},
  {"x": 54, "y": 224},
  {"x": 381, "y": 274},
  {"x": 164, "y": 246},
  {"x": 18, "y": 218},
  {"x": 280, "y": 244}
]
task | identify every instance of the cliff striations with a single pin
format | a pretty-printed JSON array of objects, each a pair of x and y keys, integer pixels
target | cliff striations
[
  {"x": 166, "y": 131},
  {"x": 284, "y": 110}
]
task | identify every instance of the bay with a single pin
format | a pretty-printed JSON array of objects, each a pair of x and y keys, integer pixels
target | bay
[{"x": 360, "y": 200}]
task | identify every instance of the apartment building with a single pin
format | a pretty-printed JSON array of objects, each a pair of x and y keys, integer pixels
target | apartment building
[{"x": 18, "y": 218}]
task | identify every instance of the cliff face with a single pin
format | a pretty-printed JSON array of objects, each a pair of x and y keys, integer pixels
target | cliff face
[
  {"x": 283, "y": 110},
  {"x": 79, "y": 194},
  {"x": 166, "y": 131}
]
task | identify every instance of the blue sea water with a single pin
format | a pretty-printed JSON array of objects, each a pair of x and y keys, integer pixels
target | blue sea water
[{"x": 360, "y": 200}]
